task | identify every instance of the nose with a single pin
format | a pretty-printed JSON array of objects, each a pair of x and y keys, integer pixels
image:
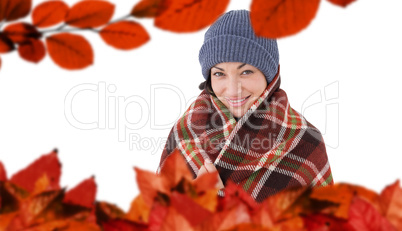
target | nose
[{"x": 234, "y": 88}]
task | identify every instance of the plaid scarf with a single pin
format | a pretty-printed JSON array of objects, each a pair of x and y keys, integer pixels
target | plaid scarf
[{"x": 270, "y": 148}]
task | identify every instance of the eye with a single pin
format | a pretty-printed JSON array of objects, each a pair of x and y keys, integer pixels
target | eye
[
  {"x": 218, "y": 74},
  {"x": 247, "y": 72}
]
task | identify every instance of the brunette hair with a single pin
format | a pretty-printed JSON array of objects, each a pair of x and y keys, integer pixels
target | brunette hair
[{"x": 207, "y": 85}]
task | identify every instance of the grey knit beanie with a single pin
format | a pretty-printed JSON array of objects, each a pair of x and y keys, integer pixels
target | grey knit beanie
[{"x": 232, "y": 39}]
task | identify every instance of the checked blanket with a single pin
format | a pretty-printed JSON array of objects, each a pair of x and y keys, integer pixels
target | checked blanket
[{"x": 270, "y": 148}]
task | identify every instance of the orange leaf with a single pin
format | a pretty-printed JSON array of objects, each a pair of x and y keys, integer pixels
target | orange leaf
[
  {"x": 190, "y": 15},
  {"x": 14, "y": 9},
  {"x": 106, "y": 211},
  {"x": 83, "y": 194},
  {"x": 343, "y": 194},
  {"x": 343, "y": 3},
  {"x": 149, "y": 184},
  {"x": 21, "y": 32},
  {"x": 90, "y": 13},
  {"x": 48, "y": 164},
  {"x": 193, "y": 212},
  {"x": 124, "y": 35},
  {"x": 149, "y": 8},
  {"x": 70, "y": 51},
  {"x": 49, "y": 13},
  {"x": 206, "y": 182},
  {"x": 235, "y": 195},
  {"x": 363, "y": 216},
  {"x": 32, "y": 50},
  {"x": 208, "y": 200},
  {"x": 175, "y": 221},
  {"x": 285, "y": 203},
  {"x": 5, "y": 219},
  {"x": 139, "y": 211},
  {"x": 42, "y": 184},
  {"x": 3, "y": 173},
  {"x": 391, "y": 204},
  {"x": 280, "y": 18},
  {"x": 322, "y": 222},
  {"x": 174, "y": 169},
  {"x": 249, "y": 227},
  {"x": 34, "y": 206}
]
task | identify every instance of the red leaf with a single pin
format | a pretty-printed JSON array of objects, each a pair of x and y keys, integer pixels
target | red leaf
[
  {"x": 149, "y": 8},
  {"x": 123, "y": 225},
  {"x": 280, "y": 18},
  {"x": 190, "y": 15},
  {"x": 124, "y": 35},
  {"x": 83, "y": 194},
  {"x": 90, "y": 13},
  {"x": 32, "y": 50},
  {"x": 343, "y": 3},
  {"x": 157, "y": 216},
  {"x": 14, "y": 9},
  {"x": 21, "y": 32},
  {"x": 47, "y": 164},
  {"x": 343, "y": 194},
  {"x": 70, "y": 51},
  {"x": 174, "y": 169},
  {"x": 3, "y": 173},
  {"x": 174, "y": 221},
  {"x": 149, "y": 184},
  {"x": 6, "y": 45},
  {"x": 320, "y": 222},
  {"x": 391, "y": 204},
  {"x": 363, "y": 216},
  {"x": 49, "y": 13},
  {"x": 193, "y": 212},
  {"x": 235, "y": 195}
]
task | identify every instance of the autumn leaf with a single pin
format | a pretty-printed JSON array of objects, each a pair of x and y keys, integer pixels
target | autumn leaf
[
  {"x": 139, "y": 210},
  {"x": 49, "y": 13},
  {"x": 157, "y": 216},
  {"x": 342, "y": 194},
  {"x": 70, "y": 51},
  {"x": 124, "y": 35},
  {"x": 6, "y": 45},
  {"x": 83, "y": 194},
  {"x": 281, "y": 18},
  {"x": 175, "y": 221},
  {"x": 189, "y": 209},
  {"x": 106, "y": 211},
  {"x": 175, "y": 169},
  {"x": 321, "y": 222},
  {"x": 391, "y": 204},
  {"x": 123, "y": 225},
  {"x": 21, "y": 32},
  {"x": 14, "y": 9},
  {"x": 149, "y": 184},
  {"x": 3, "y": 173},
  {"x": 364, "y": 217},
  {"x": 89, "y": 13},
  {"x": 149, "y": 8},
  {"x": 206, "y": 182},
  {"x": 343, "y": 3},
  {"x": 32, "y": 50},
  {"x": 208, "y": 200},
  {"x": 190, "y": 15},
  {"x": 47, "y": 164}
]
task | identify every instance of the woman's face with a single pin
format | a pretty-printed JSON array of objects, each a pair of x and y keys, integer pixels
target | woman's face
[{"x": 237, "y": 85}]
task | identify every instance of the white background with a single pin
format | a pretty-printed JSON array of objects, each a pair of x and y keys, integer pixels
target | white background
[{"x": 343, "y": 73}]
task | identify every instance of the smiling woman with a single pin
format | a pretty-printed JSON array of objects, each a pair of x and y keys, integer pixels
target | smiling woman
[{"x": 241, "y": 124}]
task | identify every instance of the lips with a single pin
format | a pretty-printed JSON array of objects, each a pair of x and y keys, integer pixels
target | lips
[{"x": 237, "y": 103}]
